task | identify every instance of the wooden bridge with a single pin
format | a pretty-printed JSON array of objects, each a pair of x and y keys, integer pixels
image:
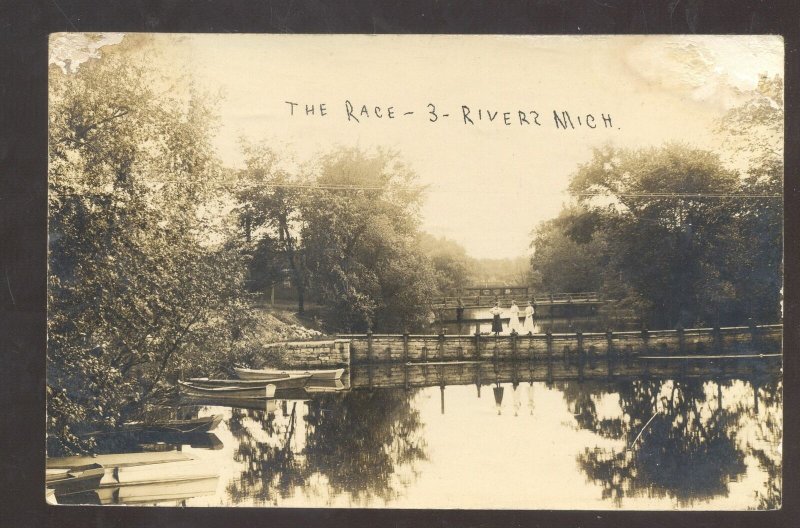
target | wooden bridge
[
  {"x": 485, "y": 298},
  {"x": 554, "y": 311}
]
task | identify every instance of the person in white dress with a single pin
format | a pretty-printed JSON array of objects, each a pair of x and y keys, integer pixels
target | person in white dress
[
  {"x": 513, "y": 323},
  {"x": 527, "y": 326}
]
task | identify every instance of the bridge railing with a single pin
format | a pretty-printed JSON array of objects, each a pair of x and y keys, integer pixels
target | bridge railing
[{"x": 487, "y": 300}]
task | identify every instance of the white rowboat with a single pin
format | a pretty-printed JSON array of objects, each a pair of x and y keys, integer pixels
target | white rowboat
[
  {"x": 252, "y": 374},
  {"x": 257, "y": 392}
]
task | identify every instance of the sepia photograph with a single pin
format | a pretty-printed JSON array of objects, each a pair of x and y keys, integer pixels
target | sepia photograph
[{"x": 437, "y": 272}]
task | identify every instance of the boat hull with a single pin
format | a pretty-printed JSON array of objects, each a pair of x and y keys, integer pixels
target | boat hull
[
  {"x": 251, "y": 374},
  {"x": 259, "y": 392},
  {"x": 195, "y": 425},
  {"x": 75, "y": 480}
]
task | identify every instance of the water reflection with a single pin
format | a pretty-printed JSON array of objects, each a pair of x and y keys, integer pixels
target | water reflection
[
  {"x": 678, "y": 443},
  {"x": 685, "y": 441},
  {"x": 356, "y": 443},
  {"x": 556, "y": 434}
]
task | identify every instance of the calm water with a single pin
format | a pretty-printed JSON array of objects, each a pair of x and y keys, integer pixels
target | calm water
[{"x": 694, "y": 440}]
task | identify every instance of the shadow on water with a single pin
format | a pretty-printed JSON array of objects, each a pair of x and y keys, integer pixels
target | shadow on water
[{"x": 355, "y": 442}]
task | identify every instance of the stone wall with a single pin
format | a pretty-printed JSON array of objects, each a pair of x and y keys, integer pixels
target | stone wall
[
  {"x": 378, "y": 348},
  {"x": 311, "y": 354},
  {"x": 394, "y": 348}
]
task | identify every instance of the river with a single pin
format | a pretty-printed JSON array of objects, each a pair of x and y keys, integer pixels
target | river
[{"x": 686, "y": 440}]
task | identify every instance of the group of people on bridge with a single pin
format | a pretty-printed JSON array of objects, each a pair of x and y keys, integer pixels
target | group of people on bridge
[{"x": 514, "y": 325}]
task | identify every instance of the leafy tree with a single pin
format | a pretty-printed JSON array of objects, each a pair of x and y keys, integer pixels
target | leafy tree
[
  {"x": 138, "y": 287},
  {"x": 566, "y": 260},
  {"x": 269, "y": 202},
  {"x": 669, "y": 248},
  {"x": 752, "y": 136},
  {"x": 453, "y": 267},
  {"x": 358, "y": 229},
  {"x": 685, "y": 236}
]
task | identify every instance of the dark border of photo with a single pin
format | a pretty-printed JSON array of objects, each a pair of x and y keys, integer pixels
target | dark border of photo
[{"x": 23, "y": 221}]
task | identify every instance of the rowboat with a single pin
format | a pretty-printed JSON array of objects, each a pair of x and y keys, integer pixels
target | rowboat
[
  {"x": 195, "y": 425},
  {"x": 266, "y": 405},
  {"x": 181, "y": 470},
  {"x": 228, "y": 392},
  {"x": 314, "y": 386},
  {"x": 111, "y": 461},
  {"x": 155, "y": 492},
  {"x": 65, "y": 481},
  {"x": 50, "y": 496},
  {"x": 127, "y": 469},
  {"x": 245, "y": 373},
  {"x": 285, "y": 381}
]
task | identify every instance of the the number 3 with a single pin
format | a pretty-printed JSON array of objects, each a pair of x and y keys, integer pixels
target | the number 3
[{"x": 432, "y": 112}]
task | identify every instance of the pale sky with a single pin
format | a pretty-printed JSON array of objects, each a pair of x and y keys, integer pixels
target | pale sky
[{"x": 490, "y": 184}]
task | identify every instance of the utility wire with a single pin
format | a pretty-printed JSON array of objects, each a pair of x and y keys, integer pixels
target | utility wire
[{"x": 438, "y": 188}]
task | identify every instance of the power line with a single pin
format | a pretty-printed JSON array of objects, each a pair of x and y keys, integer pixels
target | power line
[{"x": 439, "y": 188}]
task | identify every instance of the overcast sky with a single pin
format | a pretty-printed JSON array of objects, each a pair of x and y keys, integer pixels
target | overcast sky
[{"x": 490, "y": 183}]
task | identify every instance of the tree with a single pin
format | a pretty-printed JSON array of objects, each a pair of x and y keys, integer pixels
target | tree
[
  {"x": 359, "y": 223},
  {"x": 269, "y": 204},
  {"x": 565, "y": 259},
  {"x": 751, "y": 135},
  {"x": 138, "y": 287},
  {"x": 450, "y": 261},
  {"x": 670, "y": 230}
]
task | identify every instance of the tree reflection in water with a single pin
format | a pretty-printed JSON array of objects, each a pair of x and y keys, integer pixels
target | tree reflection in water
[
  {"x": 766, "y": 444},
  {"x": 681, "y": 440},
  {"x": 361, "y": 443}
]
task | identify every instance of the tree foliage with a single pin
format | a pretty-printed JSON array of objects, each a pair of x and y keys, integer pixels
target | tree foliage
[
  {"x": 138, "y": 286},
  {"x": 359, "y": 230},
  {"x": 453, "y": 267},
  {"x": 687, "y": 237}
]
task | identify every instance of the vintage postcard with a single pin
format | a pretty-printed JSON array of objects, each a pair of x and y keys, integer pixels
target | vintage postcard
[{"x": 415, "y": 271}]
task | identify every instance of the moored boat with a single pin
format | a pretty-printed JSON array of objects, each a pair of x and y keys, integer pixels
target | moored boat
[
  {"x": 126, "y": 468},
  {"x": 65, "y": 481},
  {"x": 257, "y": 392},
  {"x": 50, "y": 496},
  {"x": 156, "y": 492},
  {"x": 203, "y": 424},
  {"x": 246, "y": 374},
  {"x": 284, "y": 382},
  {"x": 314, "y": 386}
]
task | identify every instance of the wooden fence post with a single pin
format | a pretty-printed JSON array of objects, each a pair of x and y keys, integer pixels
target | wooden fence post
[
  {"x": 549, "y": 339},
  {"x": 514, "y": 346},
  {"x": 753, "y": 332},
  {"x": 645, "y": 339},
  {"x": 369, "y": 346},
  {"x": 440, "y": 353},
  {"x": 477, "y": 344},
  {"x": 405, "y": 347},
  {"x": 681, "y": 338}
]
